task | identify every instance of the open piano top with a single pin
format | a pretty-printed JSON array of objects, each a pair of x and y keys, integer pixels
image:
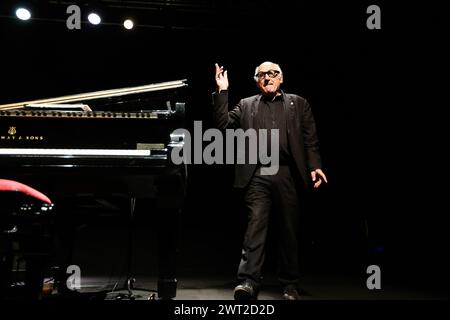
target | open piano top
[{"x": 119, "y": 122}]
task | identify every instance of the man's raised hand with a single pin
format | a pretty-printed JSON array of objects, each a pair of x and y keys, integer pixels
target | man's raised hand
[{"x": 221, "y": 78}]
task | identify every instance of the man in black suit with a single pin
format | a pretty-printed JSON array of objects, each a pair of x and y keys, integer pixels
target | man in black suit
[{"x": 299, "y": 167}]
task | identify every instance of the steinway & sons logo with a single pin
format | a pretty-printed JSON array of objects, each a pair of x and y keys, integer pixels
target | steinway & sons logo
[{"x": 11, "y": 135}]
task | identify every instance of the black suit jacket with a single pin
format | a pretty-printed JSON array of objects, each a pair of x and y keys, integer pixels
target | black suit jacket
[{"x": 301, "y": 131}]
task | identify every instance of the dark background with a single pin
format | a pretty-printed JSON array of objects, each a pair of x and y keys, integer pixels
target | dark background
[{"x": 377, "y": 96}]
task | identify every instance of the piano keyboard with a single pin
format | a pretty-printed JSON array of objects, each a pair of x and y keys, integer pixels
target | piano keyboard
[{"x": 74, "y": 152}]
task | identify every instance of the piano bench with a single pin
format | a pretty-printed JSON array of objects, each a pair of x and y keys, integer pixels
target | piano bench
[{"x": 26, "y": 238}]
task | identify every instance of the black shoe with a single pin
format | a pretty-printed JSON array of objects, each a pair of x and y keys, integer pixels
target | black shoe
[
  {"x": 245, "y": 291},
  {"x": 290, "y": 293}
]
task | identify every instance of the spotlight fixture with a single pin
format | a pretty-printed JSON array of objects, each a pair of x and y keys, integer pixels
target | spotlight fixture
[
  {"x": 128, "y": 24},
  {"x": 23, "y": 14},
  {"x": 94, "y": 18}
]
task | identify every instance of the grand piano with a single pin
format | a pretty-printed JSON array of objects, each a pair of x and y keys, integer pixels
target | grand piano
[{"x": 86, "y": 150}]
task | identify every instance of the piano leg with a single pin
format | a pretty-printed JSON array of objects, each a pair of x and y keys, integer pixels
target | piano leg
[
  {"x": 34, "y": 276},
  {"x": 167, "y": 252}
]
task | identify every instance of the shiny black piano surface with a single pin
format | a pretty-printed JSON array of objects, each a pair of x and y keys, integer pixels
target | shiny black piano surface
[{"x": 121, "y": 144}]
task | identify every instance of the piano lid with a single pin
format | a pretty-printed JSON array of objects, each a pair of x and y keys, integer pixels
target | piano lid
[{"x": 119, "y": 95}]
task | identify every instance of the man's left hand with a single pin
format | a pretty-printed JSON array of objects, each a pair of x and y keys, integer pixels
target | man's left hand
[{"x": 317, "y": 177}]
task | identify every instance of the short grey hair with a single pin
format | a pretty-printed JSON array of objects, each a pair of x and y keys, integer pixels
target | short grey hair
[{"x": 277, "y": 66}]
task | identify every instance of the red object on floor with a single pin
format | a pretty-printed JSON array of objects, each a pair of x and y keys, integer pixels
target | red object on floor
[{"x": 10, "y": 185}]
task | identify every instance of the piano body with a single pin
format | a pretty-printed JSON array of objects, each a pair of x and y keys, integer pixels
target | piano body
[{"x": 84, "y": 148}]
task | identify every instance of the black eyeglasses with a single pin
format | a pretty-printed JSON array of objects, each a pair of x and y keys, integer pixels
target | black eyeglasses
[{"x": 271, "y": 73}]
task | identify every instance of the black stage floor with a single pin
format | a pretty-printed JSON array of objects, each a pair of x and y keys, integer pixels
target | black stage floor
[{"x": 207, "y": 268}]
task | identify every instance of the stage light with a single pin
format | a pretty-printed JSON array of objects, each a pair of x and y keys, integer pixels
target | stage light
[
  {"x": 23, "y": 14},
  {"x": 128, "y": 24},
  {"x": 94, "y": 18}
]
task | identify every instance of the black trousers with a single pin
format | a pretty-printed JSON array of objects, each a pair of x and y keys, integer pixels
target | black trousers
[{"x": 273, "y": 198}]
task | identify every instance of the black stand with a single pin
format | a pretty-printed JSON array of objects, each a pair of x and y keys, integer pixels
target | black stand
[{"x": 128, "y": 292}]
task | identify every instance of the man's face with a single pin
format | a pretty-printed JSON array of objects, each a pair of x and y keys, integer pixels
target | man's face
[{"x": 269, "y": 79}]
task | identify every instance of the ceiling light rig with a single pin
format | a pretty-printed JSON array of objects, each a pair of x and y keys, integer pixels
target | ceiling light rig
[
  {"x": 79, "y": 14},
  {"x": 72, "y": 15}
]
